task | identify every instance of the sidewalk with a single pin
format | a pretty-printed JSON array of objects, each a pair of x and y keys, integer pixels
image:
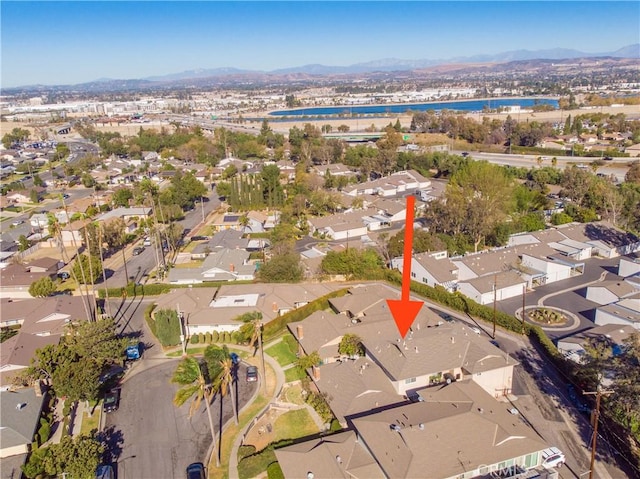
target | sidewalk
[{"x": 75, "y": 423}]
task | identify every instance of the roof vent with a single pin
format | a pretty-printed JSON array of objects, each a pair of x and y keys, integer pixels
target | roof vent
[
  {"x": 394, "y": 427},
  {"x": 421, "y": 426},
  {"x": 338, "y": 459},
  {"x": 20, "y": 406},
  {"x": 310, "y": 475}
]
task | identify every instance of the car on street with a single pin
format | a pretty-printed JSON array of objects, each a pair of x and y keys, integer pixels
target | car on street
[
  {"x": 112, "y": 400},
  {"x": 63, "y": 275},
  {"x": 252, "y": 374},
  {"x": 235, "y": 359},
  {"x": 17, "y": 222},
  {"x": 552, "y": 457},
  {"x": 195, "y": 471},
  {"x": 465, "y": 153},
  {"x": 137, "y": 250},
  {"x": 475, "y": 330}
]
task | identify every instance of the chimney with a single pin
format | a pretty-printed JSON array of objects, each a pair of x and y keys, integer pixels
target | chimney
[
  {"x": 316, "y": 372},
  {"x": 274, "y": 306},
  {"x": 300, "y": 332},
  {"x": 232, "y": 268},
  {"x": 453, "y": 340}
]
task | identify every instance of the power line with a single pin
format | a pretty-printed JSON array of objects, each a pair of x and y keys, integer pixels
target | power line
[{"x": 595, "y": 419}]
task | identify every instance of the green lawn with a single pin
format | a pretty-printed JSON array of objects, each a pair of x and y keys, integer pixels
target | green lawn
[
  {"x": 89, "y": 423},
  {"x": 294, "y": 424},
  {"x": 291, "y": 425},
  {"x": 282, "y": 353},
  {"x": 294, "y": 374}
]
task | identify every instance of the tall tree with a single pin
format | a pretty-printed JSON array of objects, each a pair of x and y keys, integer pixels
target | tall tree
[
  {"x": 195, "y": 386},
  {"x": 224, "y": 384}
]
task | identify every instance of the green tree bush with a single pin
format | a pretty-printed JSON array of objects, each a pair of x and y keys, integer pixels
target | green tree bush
[
  {"x": 42, "y": 287},
  {"x": 167, "y": 327}
]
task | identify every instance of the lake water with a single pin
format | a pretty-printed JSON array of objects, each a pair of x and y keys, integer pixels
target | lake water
[{"x": 467, "y": 105}]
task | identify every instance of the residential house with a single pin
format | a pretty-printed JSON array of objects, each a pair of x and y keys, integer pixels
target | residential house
[
  {"x": 426, "y": 268},
  {"x": 611, "y": 291},
  {"x": 228, "y": 221},
  {"x": 546, "y": 266},
  {"x": 613, "y": 335},
  {"x": 629, "y": 266},
  {"x": 24, "y": 196},
  {"x": 127, "y": 214},
  {"x": 334, "y": 169},
  {"x": 341, "y": 226},
  {"x": 464, "y": 431},
  {"x": 15, "y": 280},
  {"x": 395, "y": 184},
  {"x": 607, "y": 240},
  {"x": 229, "y": 238},
  {"x": 223, "y": 264},
  {"x": 625, "y": 312},
  {"x": 19, "y": 420},
  {"x": 496, "y": 287},
  {"x": 431, "y": 350},
  {"x": 217, "y": 309},
  {"x": 73, "y": 234}
]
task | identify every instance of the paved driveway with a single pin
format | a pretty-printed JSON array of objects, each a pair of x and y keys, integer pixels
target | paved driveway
[{"x": 149, "y": 437}]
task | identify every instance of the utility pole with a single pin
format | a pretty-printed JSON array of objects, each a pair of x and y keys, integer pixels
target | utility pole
[
  {"x": 495, "y": 289},
  {"x": 596, "y": 416},
  {"x": 183, "y": 337},
  {"x": 524, "y": 294}
]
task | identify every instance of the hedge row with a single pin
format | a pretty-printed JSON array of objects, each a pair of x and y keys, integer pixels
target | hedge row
[
  {"x": 155, "y": 289},
  {"x": 215, "y": 337},
  {"x": 274, "y": 327}
]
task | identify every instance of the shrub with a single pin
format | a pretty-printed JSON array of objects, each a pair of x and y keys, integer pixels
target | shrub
[
  {"x": 44, "y": 431},
  {"x": 213, "y": 337},
  {"x": 226, "y": 338},
  {"x": 236, "y": 337},
  {"x": 168, "y": 327},
  {"x": 194, "y": 339}
]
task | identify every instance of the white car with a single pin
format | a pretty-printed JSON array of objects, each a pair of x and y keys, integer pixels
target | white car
[
  {"x": 475, "y": 330},
  {"x": 17, "y": 222},
  {"x": 552, "y": 457}
]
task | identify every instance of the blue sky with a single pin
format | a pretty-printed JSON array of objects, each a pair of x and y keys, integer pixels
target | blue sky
[{"x": 55, "y": 43}]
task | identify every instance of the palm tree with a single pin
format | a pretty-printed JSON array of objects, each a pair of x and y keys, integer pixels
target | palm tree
[
  {"x": 256, "y": 336},
  {"x": 224, "y": 381},
  {"x": 195, "y": 386}
]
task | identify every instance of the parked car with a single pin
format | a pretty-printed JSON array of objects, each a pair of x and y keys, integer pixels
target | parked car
[
  {"x": 235, "y": 359},
  {"x": 552, "y": 457},
  {"x": 17, "y": 222},
  {"x": 112, "y": 400},
  {"x": 137, "y": 250},
  {"x": 475, "y": 330},
  {"x": 252, "y": 374},
  {"x": 195, "y": 471},
  {"x": 63, "y": 275}
]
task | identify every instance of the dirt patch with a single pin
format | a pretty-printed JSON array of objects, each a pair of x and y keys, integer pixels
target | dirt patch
[{"x": 263, "y": 433}]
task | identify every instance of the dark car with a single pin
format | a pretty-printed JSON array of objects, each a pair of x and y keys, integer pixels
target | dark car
[
  {"x": 63, "y": 275},
  {"x": 465, "y": 153},
  {"x": 235, "y": 359},
  {"x": 252, "y": 374},
  {"x": 608, "y": 158},
  {"x": 138, "y": 250},
  {"x": 112, "y": 400},
  {"x": 195, "y": 471}
]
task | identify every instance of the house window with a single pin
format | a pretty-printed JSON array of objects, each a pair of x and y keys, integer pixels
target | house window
[
  {"x": 531, "y": 460},
  {"x": 413, "y": 275},
  {"x": 410, "y": 380}
]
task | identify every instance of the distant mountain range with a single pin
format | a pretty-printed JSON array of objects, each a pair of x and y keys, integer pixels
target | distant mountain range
[
  {"x": 396, "y": 64},
  {"x": 516, "y": 59}
]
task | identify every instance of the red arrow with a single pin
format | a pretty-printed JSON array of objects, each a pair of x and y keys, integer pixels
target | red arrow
[{"x": 404, "y": 310}]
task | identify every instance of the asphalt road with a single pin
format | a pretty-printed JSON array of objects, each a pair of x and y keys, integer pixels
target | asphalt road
[
  {"x": 151, "y": 438},
  {"x": 572, "y": 300},
  {"x": 147, "y": 261}
]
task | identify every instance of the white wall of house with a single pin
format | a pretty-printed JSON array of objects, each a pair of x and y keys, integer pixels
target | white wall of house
[
  {"x": 210, "y": 328},
  {"x": 487, "y": 298},
  {"x": 14, "y": 450},
  {"x": 628, "y": 267},
  {"x": 351, "y": 233},
  {"x": 605, "y": 317},
  {"x": 496, "y": 382},
  {"x": 600, "y": 295},
  {"x": 464, "y": 272},
  {"x": 553, "y": 271}
]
